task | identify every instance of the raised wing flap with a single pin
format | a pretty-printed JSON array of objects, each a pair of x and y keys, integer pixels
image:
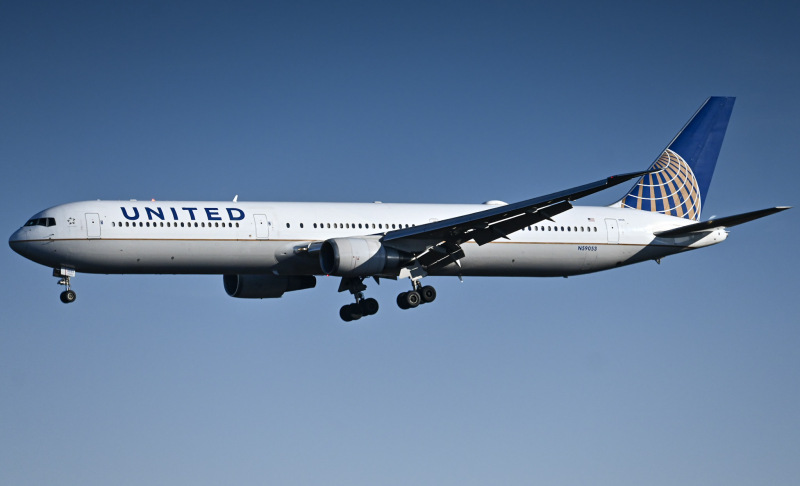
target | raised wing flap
[
  {"x": 725, "y": 222},
  {"x": 491, "y": 224},
  {"x": 516, "y": 223}
]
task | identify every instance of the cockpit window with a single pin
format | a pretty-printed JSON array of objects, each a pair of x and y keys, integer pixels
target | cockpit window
[{"x": 41, "y": 222}]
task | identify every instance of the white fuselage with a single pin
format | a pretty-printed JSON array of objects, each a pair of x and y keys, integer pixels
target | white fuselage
[{"x": 201, "y": 237}]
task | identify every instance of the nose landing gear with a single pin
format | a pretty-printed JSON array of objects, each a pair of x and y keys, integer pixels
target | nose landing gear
[{"x": 68, "y": 296}]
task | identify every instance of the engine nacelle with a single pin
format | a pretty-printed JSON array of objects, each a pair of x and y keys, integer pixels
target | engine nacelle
[
  {"x": 265, "y": 286},
  {"x": 358, "y": 257}
]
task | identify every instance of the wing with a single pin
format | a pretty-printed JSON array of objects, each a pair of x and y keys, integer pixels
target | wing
[
  {"x": 439, "y": 243},
  {"x": 725, "y": 222}
]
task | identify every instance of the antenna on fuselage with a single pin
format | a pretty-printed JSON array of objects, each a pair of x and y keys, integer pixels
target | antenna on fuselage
[{"x": 236, "y": 198}]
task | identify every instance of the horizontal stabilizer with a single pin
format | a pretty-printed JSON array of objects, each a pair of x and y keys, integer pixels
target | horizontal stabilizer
[{"x": 725, "y": 222}]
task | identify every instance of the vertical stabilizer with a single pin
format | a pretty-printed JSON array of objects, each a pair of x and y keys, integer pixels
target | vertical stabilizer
[{"x": 683, "y": 172}]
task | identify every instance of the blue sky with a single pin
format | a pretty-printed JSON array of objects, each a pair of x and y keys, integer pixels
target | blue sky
[{"x": 683, "y": 373}]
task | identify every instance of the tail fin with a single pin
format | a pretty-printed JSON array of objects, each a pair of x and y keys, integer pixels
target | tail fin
[{"x": 679, "y": 185}]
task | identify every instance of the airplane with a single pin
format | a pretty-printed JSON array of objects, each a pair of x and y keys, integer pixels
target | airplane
[{"x": 264, "y": 249}]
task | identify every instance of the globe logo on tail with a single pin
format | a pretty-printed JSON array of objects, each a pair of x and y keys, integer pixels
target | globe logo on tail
[{"x": 671, "y": 190}]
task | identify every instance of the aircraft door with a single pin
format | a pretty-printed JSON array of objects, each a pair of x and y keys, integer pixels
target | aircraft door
[
  {"x": 92, "y": 225},
  {"x": 262, "y": 226},
  {"x": 612, "y": 228}
]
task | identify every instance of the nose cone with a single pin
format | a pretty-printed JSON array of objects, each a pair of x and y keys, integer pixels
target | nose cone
[{"x": 17, "y": 240}]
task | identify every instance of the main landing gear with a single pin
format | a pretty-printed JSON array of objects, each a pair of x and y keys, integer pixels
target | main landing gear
[
  {"x": 362, "y": 307},
  {"x": 366, "y": 307},
  {"x": 419, "y": 295},
  {"x": 68, "y": 296}
]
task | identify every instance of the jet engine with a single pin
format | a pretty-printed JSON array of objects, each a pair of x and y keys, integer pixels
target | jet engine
[
  {"x": 265, "y": 286},
  {"x": 359, "y": 257}
]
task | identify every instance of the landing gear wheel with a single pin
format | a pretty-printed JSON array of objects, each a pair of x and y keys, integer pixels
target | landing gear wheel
[
  {"x": 369, "y": 307},
  {"x": 412, "y": 299},
  {"x": 428, "y": 294},
  {"x": 401, "y": 301},
  {"x": 68, "y": 296},
  {"x": 350, "y": 312}
]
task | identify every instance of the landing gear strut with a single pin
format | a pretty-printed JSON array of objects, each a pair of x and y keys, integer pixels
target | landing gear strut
[
  {"x": 68, "y": 296},
  {"x": 363, "y": 306}
]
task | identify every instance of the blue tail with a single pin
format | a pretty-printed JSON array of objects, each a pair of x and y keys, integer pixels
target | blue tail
[{"x": 683, "y": 171}]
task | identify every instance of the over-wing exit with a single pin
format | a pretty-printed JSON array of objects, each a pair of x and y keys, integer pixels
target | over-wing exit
[{"x": 264, "y": 249}]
